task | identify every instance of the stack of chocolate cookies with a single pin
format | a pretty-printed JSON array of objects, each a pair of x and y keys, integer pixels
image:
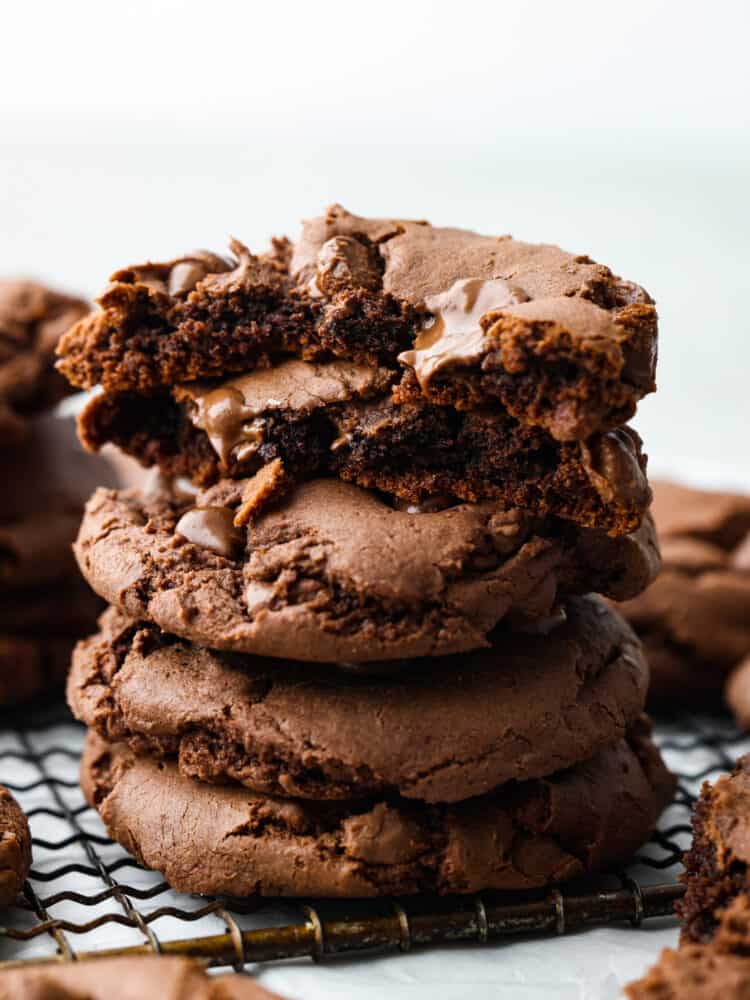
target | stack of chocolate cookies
[
  {"x": 44, "y": 605},
  {"x": 353, "y": 645}
]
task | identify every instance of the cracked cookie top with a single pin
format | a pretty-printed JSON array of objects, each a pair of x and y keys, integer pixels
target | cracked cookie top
[
  {"x": 334, "y": 574},
  {"x": 427, "y": 734},
  {"x": 230, "y": 840}
]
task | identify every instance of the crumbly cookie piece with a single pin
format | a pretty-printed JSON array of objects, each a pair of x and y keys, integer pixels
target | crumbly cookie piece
[
  {"x": 720, "y": 968},
  {"x": 33, "y": 664},
  {"x": 15, "y": 848},
  {"x": 338, "y": 418},
  {"x": 695, "y": 972},
  {"x": 469, "y": 321}
]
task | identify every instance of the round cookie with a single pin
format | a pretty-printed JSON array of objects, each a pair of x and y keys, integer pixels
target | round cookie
[
  {"x": 47, "y": 480},
  {"x": 718, "y": 968},
  {"x": 67, "y": 608},
  {"x": 127, "y": 978},
  {"x": 737, "y": 693},
  {"x": 32, "y": 320},
  {"x": 32, "y": 664},
  {"x": 426, "y": 734},
  {"x": 38, "y": 630},
  {"x": 50, "y": 471},
  {"x": 694, "y": 619},
  {"x": 333, "y": 574},
  {"x": 228, "y": 840},
  {"x": 15, "y": 848},
  {"x": 716, "y": 866},
  {"x": 36, "y": 549},
  {"x": 471, "y": 321},
  {"x": 695, "y": 972}
]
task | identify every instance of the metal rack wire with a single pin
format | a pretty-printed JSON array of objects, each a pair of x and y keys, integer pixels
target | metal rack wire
[{"x": 85, "y": 896}]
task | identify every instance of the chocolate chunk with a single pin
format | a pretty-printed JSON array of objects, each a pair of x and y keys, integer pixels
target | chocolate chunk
[
  {"x": 346, "y": 262},
  {"x": 453, "y": 334}
]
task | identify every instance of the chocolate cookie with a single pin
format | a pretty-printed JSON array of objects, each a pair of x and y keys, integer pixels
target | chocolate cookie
[
  {"x": 50, "y": 471},
  {"x": 32, "y": 664},
  {"x": 47, "y": 479},
  {"x": 32, "y": 320},
  {"x": 558, "y": 699},
  {"x": 716, "y": 866},
  {"x": 35, "y": 549},
  {"x": 334, "y": 574},
  {"x": 15, "y": 848},
  {"x": 695, "y": 972},
  {"x": 695, "y": 618},
  {"x": 720, "y": 968},
  {"x": 44, "y": 606},
  {"x": 125, "y": 978},
  {"x": 461, "y": 319},
  {"x": 67, "y": 608},
  {"x": 338, "y": 418},
  {"x": 737, "y": 693},
  {"x": 38, "y": 630},
  {"x": 229, "y": 840}
]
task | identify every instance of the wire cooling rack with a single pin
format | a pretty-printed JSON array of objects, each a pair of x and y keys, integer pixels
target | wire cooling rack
[{"x": 86, "y": 896}]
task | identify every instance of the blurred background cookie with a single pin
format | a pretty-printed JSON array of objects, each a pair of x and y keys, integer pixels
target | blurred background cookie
[
  {"x": 694, "y": 620},
  {"x": 15, "y": 847},
  {"x": 32, "y": 320},
  {"x": 46, "y": 477},
  {"x": 125, "y": 978}
]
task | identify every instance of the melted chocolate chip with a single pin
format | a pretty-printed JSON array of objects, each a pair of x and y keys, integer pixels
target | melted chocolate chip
[
  {"x": 453, "y": 335},
  {"x": 346, "y": 262},
  {"x": 211, "y": 528}
]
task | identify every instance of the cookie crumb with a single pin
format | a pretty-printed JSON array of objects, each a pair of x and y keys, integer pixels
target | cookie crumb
[{"x": 267, "y": 484}]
